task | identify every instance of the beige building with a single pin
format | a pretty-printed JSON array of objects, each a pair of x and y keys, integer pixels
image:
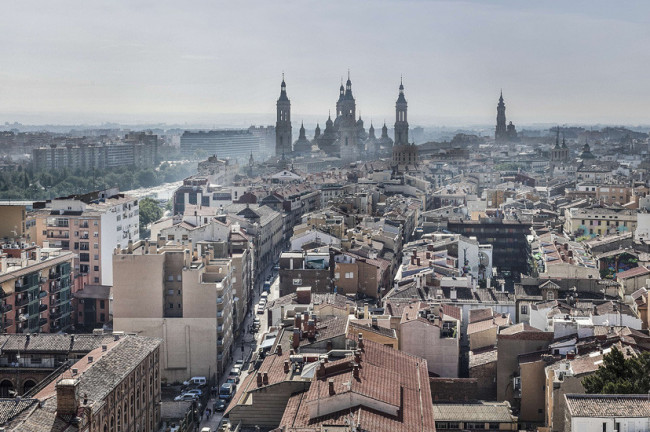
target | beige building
[
  {"x": 598, "y": 221},
  {"x": 182, "y": 297},
  {"x": 13, "y": 221},
  {"x": 428, "y": 332}
]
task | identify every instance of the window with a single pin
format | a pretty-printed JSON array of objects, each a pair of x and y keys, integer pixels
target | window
[
  {"x": 297, "y": 282},
  {"x": 604, "y": 427},
  {"x": 179, "y": 278},
  {"x": 524, "y": 309},
  {"x": 102, "y": 304},
  {"x": 550, "y": 295},
  {"x": 96, "y": 280},
  {"x": 494, "y": 425},
  {"x": 442, "y": 425},
  {"x": 96, "y": 257},
  {"x": 171, "y": 305},
  {"x": 349, "y": 275},
  {"x": 84, "y": 257},
  {"x": 337, "y": 275},
  {"x": 96, "y": 245},
  {"x": 170, "y": 292},
  {"x": 96, "y": 268}
]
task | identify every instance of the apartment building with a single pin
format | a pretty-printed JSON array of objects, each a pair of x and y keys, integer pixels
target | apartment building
[
  {"x": 231, "y": 144},
  {"x": 13, "y": 216},
  {"x": 593, "y": 221},
  {"x": 37, "y": 289},
  {"x": 139, "y": 150},
  {"x": 115, "y": 387},
  {"x": 184, "y": 297},
  {"x": 91, "y": 225}
]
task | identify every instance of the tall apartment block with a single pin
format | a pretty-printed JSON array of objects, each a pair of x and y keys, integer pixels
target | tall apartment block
[
  {"x": 92, "y": 226},
  {"x": 182, "y": 296},
  {"x": 231, "y": 144},
  {"x": 36, "y": 288},
  {"x": 137, "y": 149}
]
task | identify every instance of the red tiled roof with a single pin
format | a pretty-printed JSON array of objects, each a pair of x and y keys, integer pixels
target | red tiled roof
[
  {"x": 636, "y": 271},
  {"x": 390, "y": 377}
]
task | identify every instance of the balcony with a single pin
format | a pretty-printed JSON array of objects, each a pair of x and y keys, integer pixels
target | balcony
[
  {"x": 42, "y": 322},
  {"x": 55, "y": 315},
  {"x": 24, "y": 301},
  {"x": 42, "y": 308},
  {"x": 64, "y": 235},
  {"x": 6, "y": 308},
  {"x": 8, "y": 322},
  {"x": 58, "y": 224}
]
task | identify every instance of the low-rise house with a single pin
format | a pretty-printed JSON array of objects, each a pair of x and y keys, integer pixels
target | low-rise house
[
  {"x": 475, "y": 416},
  {"x": 607, "y": 412},
  {"x": 483, "y": 327}
]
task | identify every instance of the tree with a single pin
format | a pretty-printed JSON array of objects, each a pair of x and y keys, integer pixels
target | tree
[
  {"x": 619, "y": 375},
  {"x": 149, "y": 212}
]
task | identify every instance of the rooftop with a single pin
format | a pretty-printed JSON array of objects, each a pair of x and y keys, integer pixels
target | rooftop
[{"x": 608, "y": 405}]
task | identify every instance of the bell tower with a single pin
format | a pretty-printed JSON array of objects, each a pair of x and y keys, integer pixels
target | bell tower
[
  {"x": 283, "y": 122},
  {"x": 401, "y": 121}
]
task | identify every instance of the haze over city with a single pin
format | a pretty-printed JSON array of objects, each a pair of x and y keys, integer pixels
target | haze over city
[{"x": 221, "y": 62}]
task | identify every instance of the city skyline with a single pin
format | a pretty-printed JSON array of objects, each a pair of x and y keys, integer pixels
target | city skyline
[{"x": 207, "y": 64}]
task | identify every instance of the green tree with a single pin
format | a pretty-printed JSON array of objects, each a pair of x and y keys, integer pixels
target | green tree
[
  {"x": 149, "y": 212},
  {"x": 619, "y": 375}
]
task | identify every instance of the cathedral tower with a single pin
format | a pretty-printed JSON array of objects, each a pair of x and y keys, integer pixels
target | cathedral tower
[
  {"x": 401, "y": 123},
  {"x": 283, "y": 123},
  {"x": 501, "y": 133}
]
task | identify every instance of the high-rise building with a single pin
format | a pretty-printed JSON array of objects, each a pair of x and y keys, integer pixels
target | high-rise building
[
  {"x": 137, "y": 149},
  {"x": 236, "y": 144},
  {"x": 36, "y": 289},
  {"x": 283, "y": 123},
  {"x": 182, "y": 296}
]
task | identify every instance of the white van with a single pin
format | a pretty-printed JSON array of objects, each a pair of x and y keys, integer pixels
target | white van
[{"x": 198, "y": 381}]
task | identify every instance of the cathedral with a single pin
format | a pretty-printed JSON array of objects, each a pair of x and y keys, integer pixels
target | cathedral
[
  {"x": 504, "y": 133},
  {"x": 345, "y": 136}
]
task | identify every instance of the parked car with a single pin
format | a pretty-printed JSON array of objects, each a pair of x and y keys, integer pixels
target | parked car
[
  {"x": 186, "y": 397},
  {"x": 257, "y": 322},
  {"x": 260, "y": 309},
  {"x": 197, "y": 380},
  {"x": 235, "y": 370},
  {"x": 264, "y": 296},
  {"x": 239, "y": 363},
  {"x": 219, "y": 405},
  {"x": 233, "y": 378},
  {"x": 226, "y": 391},
  {"x": 267, "y": 286},
  {"x": 197, "y": 392}
]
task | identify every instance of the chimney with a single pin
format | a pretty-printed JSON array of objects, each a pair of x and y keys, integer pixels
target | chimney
[
  {"x": 311, "y": 328},
  {"x": 355, "y": 371},
  {"x": 67, "y": 397},
  {"x": 330, "y": 385},
  {"x": 329, "y": 345},
  {"x": 265, "y": 378},
  {"x": 320, "y": 372},
  {"x": 286, "y": 366},
  {"x": 412, "y": 259},
  {"x": 296, "y": 338},
  {"x": 297, "y": 321},
  {"x": 259, "y": 379},
  {"x": 419, "y": 264},
  {"x": 570, "y": 355},
  {"x": 366, "y": 314},
  {"x": 279, "y": 350},
  {"x": 374, "y": 322},
  {"x": 161, "y": 241},
  {"x": 360, "y": 338},
  {"x": 357, "y": 356}
]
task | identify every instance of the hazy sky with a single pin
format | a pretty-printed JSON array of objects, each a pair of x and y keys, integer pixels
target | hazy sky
[{"x": 209, "y": 61}]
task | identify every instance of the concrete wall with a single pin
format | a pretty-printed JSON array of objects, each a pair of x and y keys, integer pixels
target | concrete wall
[
  {"x": 138, "y": 286},
  {"x": 423, "y": 340},
  {"x": 484, "y": 338},
  {"x": 188, "y": 347},
  {"x": 508, "y": 348},
  {"x": 532, "y": 394},
  {"x": 13, "y": 219}
]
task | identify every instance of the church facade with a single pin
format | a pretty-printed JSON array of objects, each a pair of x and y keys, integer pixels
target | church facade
[{"x": 345, "y": 136}]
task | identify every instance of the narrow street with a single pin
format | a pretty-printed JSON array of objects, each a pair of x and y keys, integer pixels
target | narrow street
[{"x": 248, "y": 341}]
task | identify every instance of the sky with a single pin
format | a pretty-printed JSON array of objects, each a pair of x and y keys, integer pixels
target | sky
[{"x": 221, "y": 62}]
